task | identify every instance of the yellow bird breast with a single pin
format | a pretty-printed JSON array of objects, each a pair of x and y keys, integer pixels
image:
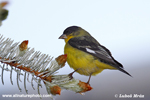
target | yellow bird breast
[{"x": 84, "y": 62}]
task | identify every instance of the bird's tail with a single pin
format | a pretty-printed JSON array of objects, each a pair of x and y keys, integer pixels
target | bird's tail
[
  {"x": 122, "y": 70},
  {"x": 120, "y": 67}
]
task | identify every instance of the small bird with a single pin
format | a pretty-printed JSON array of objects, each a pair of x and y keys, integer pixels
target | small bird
[{"x": 85, "y": 55}]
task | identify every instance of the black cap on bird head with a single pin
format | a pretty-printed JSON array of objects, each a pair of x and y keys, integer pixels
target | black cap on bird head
[{"x": 68, "y": 31}]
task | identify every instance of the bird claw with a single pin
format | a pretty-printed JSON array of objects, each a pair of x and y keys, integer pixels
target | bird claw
[
  {"x": 88, "y": 83},
  {"x": 70, "y": 75}
]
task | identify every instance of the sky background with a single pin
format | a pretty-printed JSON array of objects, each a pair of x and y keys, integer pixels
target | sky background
[{"x": 123, "y": 26}]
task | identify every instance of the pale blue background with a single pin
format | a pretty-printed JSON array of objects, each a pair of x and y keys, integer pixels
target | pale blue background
[{"x": 123, "y": 26}]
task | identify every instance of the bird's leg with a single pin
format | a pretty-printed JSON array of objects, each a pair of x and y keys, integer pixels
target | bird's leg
[
  {"x": 89, "y": 79},
  {"x": 70, "y": 75}
]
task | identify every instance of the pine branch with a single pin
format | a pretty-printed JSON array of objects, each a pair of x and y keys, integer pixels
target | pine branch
[{"x": 19, "y": 58}]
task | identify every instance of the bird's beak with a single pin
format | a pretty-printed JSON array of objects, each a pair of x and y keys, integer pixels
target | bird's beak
[{"x": 63, "y": 36}]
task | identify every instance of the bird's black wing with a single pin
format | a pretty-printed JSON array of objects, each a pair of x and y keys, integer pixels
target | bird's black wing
[{"x": 89, "y": 45}]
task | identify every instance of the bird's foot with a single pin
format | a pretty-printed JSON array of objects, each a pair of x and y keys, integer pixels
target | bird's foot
[
  {"x": 88, "y": 82},
  {"x": 70, "y": 75}
]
